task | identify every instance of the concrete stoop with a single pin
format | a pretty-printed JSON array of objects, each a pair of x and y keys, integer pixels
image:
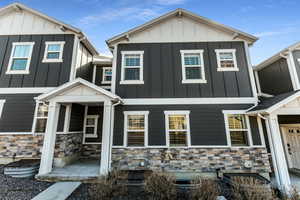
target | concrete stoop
[{"x": 58, "y": 191}]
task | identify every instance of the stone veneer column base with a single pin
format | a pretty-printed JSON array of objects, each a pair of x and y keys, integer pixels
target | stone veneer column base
[{"x": 192, "y": 160}]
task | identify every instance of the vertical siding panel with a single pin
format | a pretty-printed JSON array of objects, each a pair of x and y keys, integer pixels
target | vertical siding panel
[
  {"x": 65, "y": 67},
  {"x": 242, "y": 76},
  {"x": 180, "y": 89},
  {"x": 206, "y": 90},
  {"x": 118, "y": 126},
  {"x": 3, "y": 52},
  {"x": 155, "y": 68},
  {"x": 5, "y": 78},
  {"x": 41, "y": 78},
  {"x": 28, "y": 80},
  {"x": 167, "y": 82},
  {"x": 230, "y": 81},
  {"x": 217, "y": 77}
]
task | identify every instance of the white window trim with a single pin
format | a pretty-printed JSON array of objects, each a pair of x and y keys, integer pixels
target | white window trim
[
  {"x": 201, "y": 66},
  {"x": 237, "y": 112},
  {"x": 26, "y": 71},
  {"x": 126, "y": 113},
  {"x": 188, "y": 134},
  {"x": 103, "y": 75},
  {"x": 95, "y": 126},
  {"x": 222, "y": 69},
  {"x": 141, "y": 81},
  {"x": 2, "y": 102},
  {"x": 36, "y": 118},
  {"x": 60, "y": 59}
]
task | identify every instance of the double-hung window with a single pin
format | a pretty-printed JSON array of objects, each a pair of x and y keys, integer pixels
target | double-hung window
[
  {"x": 226, "y": 59},
  {"x": 192, "y": 66},
  {"x": 20, "y": 58},
  {"x": 238, "y": 129},
  {"x": 54, "y": 52},
  {"x": 107, "y": 75},
  {"x": 136, "y": 128},
  {"x": 90, "y": 126},
  {"x": 132, "y": 67},
  {"x": 41, "y": 118},
  {"x": 177, "y": 128}
]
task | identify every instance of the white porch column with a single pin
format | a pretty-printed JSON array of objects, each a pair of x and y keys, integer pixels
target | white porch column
[
  {"x": 283, "y": 177},
  {"x": 105, "y": 147},
  {"x": 49, "y": 139}
]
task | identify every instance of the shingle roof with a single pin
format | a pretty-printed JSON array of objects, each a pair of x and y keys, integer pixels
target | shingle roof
[{"x": 266, "y": 103}]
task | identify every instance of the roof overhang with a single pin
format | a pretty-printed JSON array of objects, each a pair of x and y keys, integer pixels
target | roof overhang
[
  {"x": 102, "y": 60},
  {"x": 181, "y": 12},
  {"x": 277, "y": 56},
  {"x": 70, "y": 85},
  {"x": 277, "y": 105},
  {"x": 63, "y": 26}
]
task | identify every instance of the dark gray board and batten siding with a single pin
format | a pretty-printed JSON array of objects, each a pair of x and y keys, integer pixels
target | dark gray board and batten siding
[
  {"x": 207, "y": 124},
  {"x": 163, "y": 72},
  {"x": 41, "y": 74},
  {"x": 275, "y": 78},
  {"x": 18, "y": 113}
]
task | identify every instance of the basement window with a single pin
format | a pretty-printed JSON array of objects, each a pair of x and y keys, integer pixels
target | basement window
[
  {"x": 54, "y": 52},
  {"x": 177, "y": 128},
  {"x": 136, "y": 128},
  {"x": 226, "y": 59}
]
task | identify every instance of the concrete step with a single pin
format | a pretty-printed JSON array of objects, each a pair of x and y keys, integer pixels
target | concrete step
[{"x": 58, "y": 191}]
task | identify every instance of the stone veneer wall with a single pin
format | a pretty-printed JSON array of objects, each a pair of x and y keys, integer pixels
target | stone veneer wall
[
  {"x": 200, "y": 160},
  {"x": 67, "y": 145},
  {"x": 91, "y": 151},
  {"x": 21, "y": 146}
]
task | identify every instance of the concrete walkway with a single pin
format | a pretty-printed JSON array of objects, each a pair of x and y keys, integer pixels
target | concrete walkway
[{"x": 58, "y": 191}]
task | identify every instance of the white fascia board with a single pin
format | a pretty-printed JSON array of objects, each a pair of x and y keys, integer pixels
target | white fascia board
[
  {"x": 25, "y": 90},
  {"x": 182, "y": 101}
]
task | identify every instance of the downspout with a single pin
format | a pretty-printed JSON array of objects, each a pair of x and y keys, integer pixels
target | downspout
[{"x": 111, "y": 131}]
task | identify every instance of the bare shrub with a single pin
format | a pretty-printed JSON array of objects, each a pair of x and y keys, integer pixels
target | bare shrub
[
  {"x": 248, "y": 188},
  {"x": 107, "y": 187},
  {"x": 160, "y": 186},
  {"x": 205, "y": 189}
]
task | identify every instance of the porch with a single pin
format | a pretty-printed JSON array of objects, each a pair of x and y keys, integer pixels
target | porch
[{"x": 64, "y": 155}]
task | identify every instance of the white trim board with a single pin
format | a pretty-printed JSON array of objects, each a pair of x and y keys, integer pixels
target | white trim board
[
  {"x": 26, "y": 90},
  {"x": 2, "y": 102},
  {"x": 182, "y": 101}
]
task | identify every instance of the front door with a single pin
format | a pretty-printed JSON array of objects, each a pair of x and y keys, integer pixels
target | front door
[{"x": 291, "y": 137}]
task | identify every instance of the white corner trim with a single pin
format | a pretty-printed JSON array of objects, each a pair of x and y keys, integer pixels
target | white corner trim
[
  {"x": 201, "y": 66},
  {"x": 26, "y": 71},
  {"x": 25, "y": 90},
  {"x": 293, "y": 70},
  {"x": 188, "y": 130},
  {"x": 250, "y": 70},
  {"x": 49, "y": 60},
  {"x": 126, "y": 114},
  {"x": 103, "y": 75},
  {"x": 222, "y": 69},
  {"x": 257, "y": 82},
  {"x": 94, "y": 73},
  {"x": 114, "y": 69},
  {"x": 2, "y": 102},
  {"x": 75, "y": 53},
  {"x": 141, "y": 67},
  {"x": 183, "y": 101}
]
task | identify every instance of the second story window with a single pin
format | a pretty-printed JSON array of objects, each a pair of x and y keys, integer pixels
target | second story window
[
  {"x": 107, "y": 75},
  {"x": 226, "y": 59},
  {"x": 192, "y": 66},
  {"x": 54, "y": 52},
  {"x": 20, "y": 58},
  {"x": 132, "y": 67}
]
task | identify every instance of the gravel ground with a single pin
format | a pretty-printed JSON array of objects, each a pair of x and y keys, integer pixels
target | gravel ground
[{"x": 20, "y": 188}]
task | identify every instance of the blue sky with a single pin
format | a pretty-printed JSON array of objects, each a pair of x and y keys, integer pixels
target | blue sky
[{"x": 275, "y": 22}]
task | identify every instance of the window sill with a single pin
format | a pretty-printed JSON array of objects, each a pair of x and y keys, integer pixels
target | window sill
[
  {"x": 228, "y": 70},
  {"x": 105, "y": 82},
  {"x": 131, "y": 82},
  {"x": 52, "y": 60},
  {"x": 17, "y": 72},
  {"x": 193, "y": 81}
]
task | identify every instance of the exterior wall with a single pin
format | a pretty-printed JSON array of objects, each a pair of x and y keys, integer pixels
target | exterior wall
[
  {"x": 275, "y": 79},
  {"x": 41, "y": 74},
  {"x": 289, "y": 119},
  {"x": 99, "y": 76},
  {"x": 192, "y": 160},
  {"x": 77, "y": 117},
  {"x": 207, "y": 124},
  {"x": 85, "y": 72},
  {"x": 163, "y": 72},
  {"x": 83, "y": 56},
  {"x": 256, "y": 138},
  {"x": 296, "y": 56},
  {"x": 96, "y": 110},
  {"x": 91, "y": 151}
]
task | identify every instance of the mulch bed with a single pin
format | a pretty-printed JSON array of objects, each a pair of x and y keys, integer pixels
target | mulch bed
[{"x": 20, "y": 188}]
